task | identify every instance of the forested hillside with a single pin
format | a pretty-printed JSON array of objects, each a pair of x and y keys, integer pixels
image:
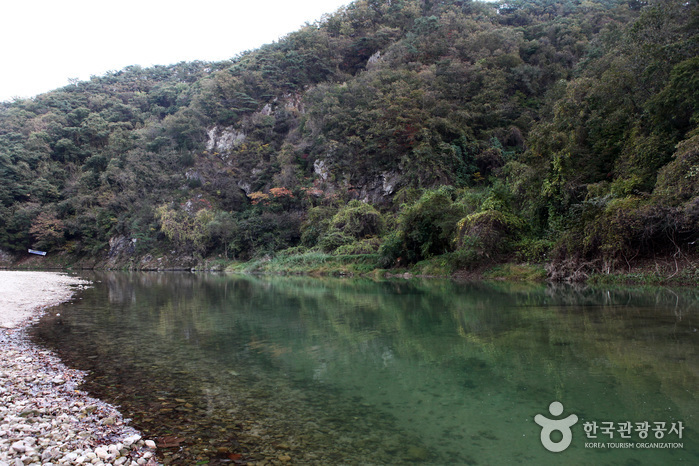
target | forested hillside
[{"x": 448, "y": 133}]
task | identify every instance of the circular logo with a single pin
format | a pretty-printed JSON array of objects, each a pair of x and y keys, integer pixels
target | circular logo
[{"x": 548, "y": 426}]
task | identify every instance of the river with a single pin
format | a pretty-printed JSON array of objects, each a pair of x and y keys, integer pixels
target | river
[{"x": 235, "y": 369}]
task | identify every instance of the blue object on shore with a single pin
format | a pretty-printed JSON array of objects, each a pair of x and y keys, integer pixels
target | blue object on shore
[{"x": 40, "y": 253}]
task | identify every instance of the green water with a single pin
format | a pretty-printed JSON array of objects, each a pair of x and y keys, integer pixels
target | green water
[{"x": 345, "y": 371}]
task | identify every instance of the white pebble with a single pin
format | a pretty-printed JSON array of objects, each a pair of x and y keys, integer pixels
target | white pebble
[
  {"x": 101, "y": 453},
  {"x": 45, "y": 420},
  {"x": 18, "y": 447}
]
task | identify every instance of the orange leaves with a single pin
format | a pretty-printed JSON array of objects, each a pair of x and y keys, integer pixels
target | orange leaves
[
  {"x": 47, "y": 229},
  {"x": 259, "y": 196},
  {"x": 275, "y": 194},
  {"x": 281, "y": 192}
]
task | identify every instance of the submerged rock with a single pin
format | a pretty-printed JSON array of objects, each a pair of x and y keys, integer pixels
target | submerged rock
[{"x": 417, "y": 453}]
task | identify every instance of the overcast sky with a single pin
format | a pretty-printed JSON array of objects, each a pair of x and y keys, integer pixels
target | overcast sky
[{"x": 43, "y": 43}]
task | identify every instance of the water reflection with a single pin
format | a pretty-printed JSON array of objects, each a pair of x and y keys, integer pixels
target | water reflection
[{"x": 355, "y": 371}]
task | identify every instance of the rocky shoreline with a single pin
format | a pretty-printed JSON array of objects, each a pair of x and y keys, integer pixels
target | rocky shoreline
[{"x": 44, "y": 418}]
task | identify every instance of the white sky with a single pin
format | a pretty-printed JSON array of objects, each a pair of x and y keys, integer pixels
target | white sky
[{"x": 43, "y": 43}]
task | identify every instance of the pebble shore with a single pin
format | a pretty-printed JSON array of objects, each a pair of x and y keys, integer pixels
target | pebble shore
[{"x": 46, "y": 420}]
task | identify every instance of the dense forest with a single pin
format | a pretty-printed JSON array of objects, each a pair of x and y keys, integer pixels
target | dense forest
[{"x": 432, "y": 135}]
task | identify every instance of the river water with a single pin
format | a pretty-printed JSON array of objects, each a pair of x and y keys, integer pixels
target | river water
[{"x": 295, "y": 370}]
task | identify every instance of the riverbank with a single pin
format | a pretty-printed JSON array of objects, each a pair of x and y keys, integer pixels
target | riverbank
[
  {"x": 659, "y": 271},
  {"x": 44, "y": 418}
]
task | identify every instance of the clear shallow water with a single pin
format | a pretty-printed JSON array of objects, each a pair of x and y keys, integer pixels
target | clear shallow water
[{"x": 343, "y": 371}]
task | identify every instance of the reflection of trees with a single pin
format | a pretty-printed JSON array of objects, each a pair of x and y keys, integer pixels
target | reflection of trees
[
  {"x": 351, "y": 312},
  {"x": 637, "y": 341},
  {"x": 548, "y": 340}
]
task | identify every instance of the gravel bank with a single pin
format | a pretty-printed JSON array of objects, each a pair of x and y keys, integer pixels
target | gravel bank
[
  {"x": 44, "y": 418},
  {"x": 23, "y": 295}
]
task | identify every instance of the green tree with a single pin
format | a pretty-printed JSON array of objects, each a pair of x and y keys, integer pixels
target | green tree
[{"x": 187, "y": 230}]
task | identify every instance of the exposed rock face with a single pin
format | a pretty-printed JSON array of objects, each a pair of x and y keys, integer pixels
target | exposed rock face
[
  {"x": 373, "y": 188},
  {"x": 378, "y": 189},
  {"x": 294, "y": 102},
  {"x": 390, "y": 182},
  {"x": 224, "y": 139},
  {"x": 246, "y": 174},
  {"x": 320, "y": 168},
  {"x": 121, "y": 247},
  {"x": 166, "y": 262},
  {"x": 374, "y": 59},
  {"x": 246, "y": 187},
  {"x": 193, "y": 175}
]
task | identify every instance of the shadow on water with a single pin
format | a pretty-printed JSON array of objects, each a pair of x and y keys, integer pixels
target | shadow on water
[{"x": 347, "y": 371}]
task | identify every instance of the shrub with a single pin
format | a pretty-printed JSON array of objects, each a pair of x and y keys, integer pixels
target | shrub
[
  {"x": 621, "y": 230},
  {"x": 533, "y": 249},
  {"x": 333, "y": 240},
  {"x": 391, "y": 249},
  {"x": 358, "y": 220},
  {"x": 468, "y": 255},
  {"x": 316, "y": 224},
  {"x": 678, "y": 181},
  {"x": 428, "y": 226},
  {"x": 364, "y": 246},
  {"x": 353, "y": 227},
  {"x": 292, "y": 251},
  {"x": 494, "y": 229},
  {"x": 187, "y": 230},
  {"x": 257, "y": 235}
]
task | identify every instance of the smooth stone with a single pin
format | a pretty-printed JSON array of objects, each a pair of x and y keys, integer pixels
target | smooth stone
[
  {"x": 29, "y": 441},
  {"x": 132, "y": 439},
  {"x": 18, "y": 447},
  {"x": 101, "y": 452}
]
